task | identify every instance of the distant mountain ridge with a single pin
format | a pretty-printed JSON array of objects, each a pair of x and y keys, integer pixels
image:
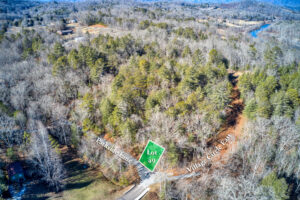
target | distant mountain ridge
[
  {"x": 292, "y": 4},
  {"x": 287, "y": 3}
]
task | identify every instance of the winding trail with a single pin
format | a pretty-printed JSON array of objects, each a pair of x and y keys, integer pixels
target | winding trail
[
  {"x": 233, "y": 126},
  {"x": 234, "y": 122}
]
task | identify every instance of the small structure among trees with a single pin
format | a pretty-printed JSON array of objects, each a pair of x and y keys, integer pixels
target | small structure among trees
[{"x": 65, "y": 32}]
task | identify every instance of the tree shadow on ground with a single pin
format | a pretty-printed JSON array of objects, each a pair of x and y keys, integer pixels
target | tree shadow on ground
[
  {"x": 32, "y": 197},
  {"x": 36, "y": 190},
  {"x": 71, "y": 186}
]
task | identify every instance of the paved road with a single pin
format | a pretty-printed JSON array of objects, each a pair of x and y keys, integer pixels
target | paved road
[
  {"x": 135, "y": 193},
  {"x": 147, "y": 178},
  {"x": 144, "y": 173}
]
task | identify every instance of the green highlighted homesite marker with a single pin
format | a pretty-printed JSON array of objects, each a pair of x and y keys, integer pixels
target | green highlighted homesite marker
[{"x": 151, "y": 155}]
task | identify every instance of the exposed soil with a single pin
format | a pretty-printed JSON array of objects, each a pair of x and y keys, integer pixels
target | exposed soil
[
  {"x": 233, "y": 126},
  {"x": 234, "y": 122},
  {"x": 98, "y": 26},
  {"x": 74, "y": 166}
]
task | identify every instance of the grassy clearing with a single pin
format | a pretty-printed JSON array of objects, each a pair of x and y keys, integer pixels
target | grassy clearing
[
  {"x": 89, "y": 186},
  {"x": 81, "y": 183}
]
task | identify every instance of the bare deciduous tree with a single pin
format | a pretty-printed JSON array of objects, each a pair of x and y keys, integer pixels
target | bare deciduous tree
[
  {"x": 46, "y": 160},
  {"x": 9, "y": 132}
]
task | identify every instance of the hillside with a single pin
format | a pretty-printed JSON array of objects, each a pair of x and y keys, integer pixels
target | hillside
[
  {"x": 149, "y": 100},
  {"x": 291, "y": 4}
]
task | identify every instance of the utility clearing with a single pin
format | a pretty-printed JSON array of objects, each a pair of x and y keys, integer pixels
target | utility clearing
[{"x": 233, "y": 126}]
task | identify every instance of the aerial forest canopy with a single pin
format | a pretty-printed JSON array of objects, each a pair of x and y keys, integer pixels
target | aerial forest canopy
[{"x": 184, "y": 75}]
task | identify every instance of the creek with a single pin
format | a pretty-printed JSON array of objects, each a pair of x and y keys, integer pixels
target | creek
[{"x": 256, "y": 31}]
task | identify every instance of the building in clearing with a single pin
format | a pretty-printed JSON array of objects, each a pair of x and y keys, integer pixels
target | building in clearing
[
  {"x": 72, "y": 21},
  {"x": 65, "y": 32}
]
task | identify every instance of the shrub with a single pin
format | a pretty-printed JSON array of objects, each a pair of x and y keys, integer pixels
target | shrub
[{"x": 279, "y": 186}]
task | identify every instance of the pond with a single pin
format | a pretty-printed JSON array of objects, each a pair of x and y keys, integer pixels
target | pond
[{"x": 256, "y": 31}]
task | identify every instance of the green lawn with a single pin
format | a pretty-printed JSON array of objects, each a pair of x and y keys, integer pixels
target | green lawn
[{"x": 89, "y": 187}]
